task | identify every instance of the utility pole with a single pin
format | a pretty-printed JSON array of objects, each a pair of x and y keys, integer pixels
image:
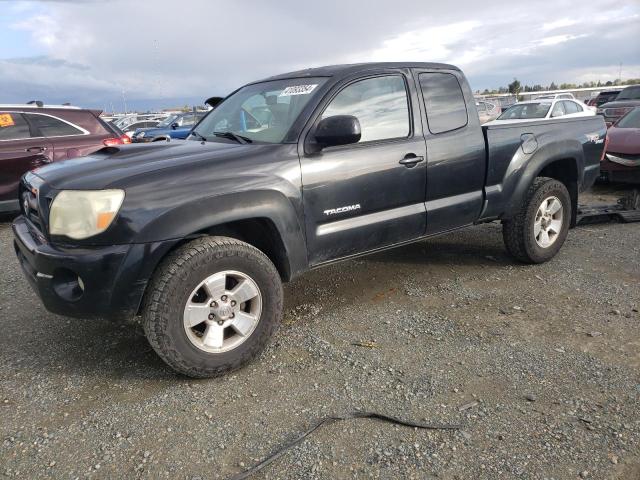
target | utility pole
[
  {"x": 124, "y": 102},
  {"x": 620, "y": 73}
]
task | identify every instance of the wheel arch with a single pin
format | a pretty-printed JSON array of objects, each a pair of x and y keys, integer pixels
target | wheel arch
[
  {"x": 266, "y": 220},
  {"x": 562, "y": 161}
]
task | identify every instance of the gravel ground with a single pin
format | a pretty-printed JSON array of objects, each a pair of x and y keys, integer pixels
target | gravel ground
[{"x": 539, "y": 364}]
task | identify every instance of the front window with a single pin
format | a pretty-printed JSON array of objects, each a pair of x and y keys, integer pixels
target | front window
[
  {"x": 629, "y": 93},
  {"x": 261, "y": 112},
  {"x": 525, "y": 110},
  {"x": 631, "y": 120},
  {"x": 380, "y": 104}
]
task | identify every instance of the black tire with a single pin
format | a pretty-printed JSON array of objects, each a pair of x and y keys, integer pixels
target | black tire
[
  {"x": 518, "y": 232},
  {"x": 172, "y": 285}
]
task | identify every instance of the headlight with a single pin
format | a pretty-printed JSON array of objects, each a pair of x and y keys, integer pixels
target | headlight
[
  {"x": 140, "y": 135},
  {"x": 82, "y": 214}
]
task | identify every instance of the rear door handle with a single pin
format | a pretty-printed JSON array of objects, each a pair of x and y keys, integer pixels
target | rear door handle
[
  {"x": 410, "y": 160},
  {"x": 36, "y": 149}
]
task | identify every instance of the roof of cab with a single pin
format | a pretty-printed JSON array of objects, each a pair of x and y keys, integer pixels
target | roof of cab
[{"x": 348, "y": 69}]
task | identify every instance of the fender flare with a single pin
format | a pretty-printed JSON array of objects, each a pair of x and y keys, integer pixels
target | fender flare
[
  {"x": 199, "y": 215},
  {"x": 525, "y": 168}
]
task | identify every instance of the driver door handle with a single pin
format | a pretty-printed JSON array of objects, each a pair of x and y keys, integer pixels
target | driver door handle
[
  {"x": 36, "y": 149},
  {"x": 410, "y": 160}
]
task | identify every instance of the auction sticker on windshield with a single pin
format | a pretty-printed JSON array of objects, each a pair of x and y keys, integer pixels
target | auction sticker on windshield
[
  {"x": 6, "y": 120},
  {"x": 298, "y": 90}
]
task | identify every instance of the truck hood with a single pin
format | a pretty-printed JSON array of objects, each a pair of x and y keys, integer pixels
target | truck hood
[{"x": 113, "y": 166}]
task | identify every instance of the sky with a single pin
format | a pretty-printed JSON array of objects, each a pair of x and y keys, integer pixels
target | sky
[{"x": 166, "y": 53}]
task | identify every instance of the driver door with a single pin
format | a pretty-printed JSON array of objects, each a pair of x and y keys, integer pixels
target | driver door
[{"x": 370, "y": 194}]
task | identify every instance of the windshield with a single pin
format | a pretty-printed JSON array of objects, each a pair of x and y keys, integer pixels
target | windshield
[
  {"x": 525, "y": 110},
  {"x": 630, "y": 120},
  {"x": 262, "y": 112},
  {"x": 167, "y": 122},
  {"x": 630, "y": 93}
]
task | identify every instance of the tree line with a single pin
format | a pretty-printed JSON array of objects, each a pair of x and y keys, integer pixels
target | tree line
[{"x": 516, "y": 87}]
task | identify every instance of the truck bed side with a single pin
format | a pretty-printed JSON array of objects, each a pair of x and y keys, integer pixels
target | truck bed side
[{"x": 566, "y": 149}]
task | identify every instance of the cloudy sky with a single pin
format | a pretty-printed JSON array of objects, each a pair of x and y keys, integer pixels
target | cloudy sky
[{"x": 174, "y": 52}]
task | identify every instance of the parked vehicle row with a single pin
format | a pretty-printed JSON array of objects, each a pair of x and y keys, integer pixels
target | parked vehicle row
[
  {"x": 176, "y": 126},
  {"x": 32, "y": 135}
]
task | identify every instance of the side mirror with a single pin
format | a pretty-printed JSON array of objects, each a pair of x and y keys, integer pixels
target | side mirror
[
  {"x": 338, "y": 130},
  {"x": 174, "y": 125},
  {"x": 213, "y": 102}
]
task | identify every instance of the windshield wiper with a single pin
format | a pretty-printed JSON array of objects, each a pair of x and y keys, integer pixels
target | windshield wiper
[
  {"x": 233, "y": 136},
  {"x": 201, "y": 137}
]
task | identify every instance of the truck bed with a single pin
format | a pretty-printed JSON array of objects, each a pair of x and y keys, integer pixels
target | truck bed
[{"x": 511, "y": 148}]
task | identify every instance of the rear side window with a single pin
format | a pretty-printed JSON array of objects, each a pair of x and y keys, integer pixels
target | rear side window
[
  {"x": 558, "y": 110},
  {"x": 13, "y": 126},
  {"x": 52, "y": 127},
  {"x": 571, "y": 107},
  {"x": 444, "y": 101},
  {"x": 380, "y": 105}
]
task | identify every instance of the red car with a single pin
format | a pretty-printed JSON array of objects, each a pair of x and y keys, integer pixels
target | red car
[
  {"x": 34, "y": 134},
  {"x": 621, "y": 161}
]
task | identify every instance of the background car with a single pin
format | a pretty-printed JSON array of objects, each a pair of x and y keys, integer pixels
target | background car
[
  {"x": 140, "y": 125},
  {"x": 487, "y": 111},
  {"x": 177, "y": 126},
  {"x": 556, "y": 96},
  {"x": 34, "y": 134},
  {"x": 604, "y": 97},
  {"x": 621, "y": 162},
  {"x": 541, "y": 110},
  {"x": 624, "y": 102},
  {"x": 124, "y": 121}
]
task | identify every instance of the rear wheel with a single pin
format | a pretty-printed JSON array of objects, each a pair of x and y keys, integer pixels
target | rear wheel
[
  {"x": 212, "y": 306},
  {"x": 537, "y": 232}
]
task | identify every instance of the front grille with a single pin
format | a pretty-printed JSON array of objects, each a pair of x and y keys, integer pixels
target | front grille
[{"x": 30, "y": 205}]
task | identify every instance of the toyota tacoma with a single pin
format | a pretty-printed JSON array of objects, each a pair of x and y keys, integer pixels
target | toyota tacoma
[{"x": 287, "y": 174}]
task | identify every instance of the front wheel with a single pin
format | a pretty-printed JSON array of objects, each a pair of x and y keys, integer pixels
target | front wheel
[
  {"x": 212, "y": 306},
  {"x": 536, "y": 233}
]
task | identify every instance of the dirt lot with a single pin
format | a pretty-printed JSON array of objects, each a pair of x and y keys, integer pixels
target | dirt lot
[{"x": 539, "y": 364}]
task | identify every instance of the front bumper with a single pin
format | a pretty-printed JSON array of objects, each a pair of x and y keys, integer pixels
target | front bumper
[
  {"x": 86, "y": 282},
  {"x": 615, "y": 172}
]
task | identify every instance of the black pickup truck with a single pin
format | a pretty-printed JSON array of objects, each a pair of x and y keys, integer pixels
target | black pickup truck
[{"x": 287, "y": 174}]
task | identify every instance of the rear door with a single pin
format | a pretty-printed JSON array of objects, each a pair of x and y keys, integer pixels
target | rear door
[
  {"x": 20, "y": 151},
  {"x": 370, "y": 194},
  {"x": 456, "y": 163},
  {"x": 69, "y": 140}
]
